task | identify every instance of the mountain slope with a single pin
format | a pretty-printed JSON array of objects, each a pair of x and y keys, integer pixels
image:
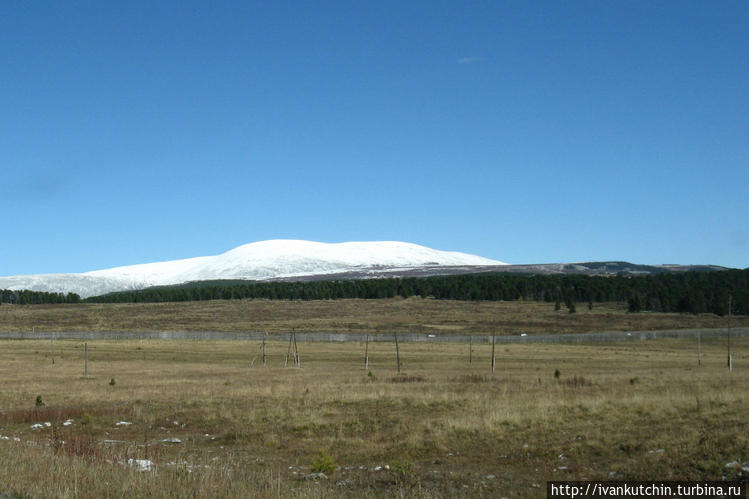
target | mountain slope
[{"x": 275, "y": 259}]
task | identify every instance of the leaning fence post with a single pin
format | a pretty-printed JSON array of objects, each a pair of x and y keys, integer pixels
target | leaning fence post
[
  {"x": 288, "y": 351},
  {"x": 85, "y": 359},
  {"x": 52, "y": 348}
]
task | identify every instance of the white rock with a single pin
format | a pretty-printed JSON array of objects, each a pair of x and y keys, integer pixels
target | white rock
[
  {"x": 142, "y": 464},
  {"x": 123, "y": 423},
  {"x": 316, "y": 476},
  {"x": 173, "y": 440},
  {"x": 37, "y": 426}
]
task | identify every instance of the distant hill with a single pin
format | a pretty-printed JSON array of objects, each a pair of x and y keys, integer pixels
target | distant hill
[
  {"x": 260, "y": 261},
  {"x": 294, "y": 260},
  {"x": 584, "y": 268}
]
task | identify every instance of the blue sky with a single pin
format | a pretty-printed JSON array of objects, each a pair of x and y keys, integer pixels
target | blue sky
[{"x": 528, "y": 132}]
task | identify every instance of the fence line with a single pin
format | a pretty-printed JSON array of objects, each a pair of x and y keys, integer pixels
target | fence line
[{"x": 383, "y": 337}]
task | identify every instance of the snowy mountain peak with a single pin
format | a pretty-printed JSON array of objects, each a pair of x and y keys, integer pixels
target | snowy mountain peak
[{"x": 263, "y": 260}]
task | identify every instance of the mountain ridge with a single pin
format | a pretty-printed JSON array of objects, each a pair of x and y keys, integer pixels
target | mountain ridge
[
  {"x": 297, "y": 260},
  {"x": 263, "y": 260}
]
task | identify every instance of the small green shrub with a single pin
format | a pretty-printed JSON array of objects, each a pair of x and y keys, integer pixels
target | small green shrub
[
  {"x": 112, "y": 382},
  {"x": 39, "y": 402},
  {"x": 403, "y": 469},
  {"x": 323, "y": 463},
  {"x": 557, "y": 374}
]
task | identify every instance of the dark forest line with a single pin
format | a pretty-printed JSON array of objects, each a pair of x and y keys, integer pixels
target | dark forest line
[
  {"x": 691, "y": 292},
  {"x": 26, "y": 297}
]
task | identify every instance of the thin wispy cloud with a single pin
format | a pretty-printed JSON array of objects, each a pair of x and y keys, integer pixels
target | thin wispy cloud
[{"x": 468, "y": 60}]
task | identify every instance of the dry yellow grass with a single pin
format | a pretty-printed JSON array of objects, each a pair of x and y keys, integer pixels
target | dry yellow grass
[
  {"x": 443, "y": 428},
  {"x": 392, "y": 315}
]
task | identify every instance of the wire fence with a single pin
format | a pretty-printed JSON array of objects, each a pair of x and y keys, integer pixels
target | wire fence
[{"x": 478, "y": 337}]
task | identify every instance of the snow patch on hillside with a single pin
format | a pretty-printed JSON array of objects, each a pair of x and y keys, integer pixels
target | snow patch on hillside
[{"x": 256, "y": 261}]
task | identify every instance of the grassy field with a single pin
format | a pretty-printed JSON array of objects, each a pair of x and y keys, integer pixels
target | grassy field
[
  {"x": 387, "y": 315},
  {"x": 443, "y": 428}
]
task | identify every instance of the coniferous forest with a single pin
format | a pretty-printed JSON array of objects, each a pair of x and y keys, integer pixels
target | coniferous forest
[
  {"x": 26, "y": 297},
  {"x": 691, "y": 292}
]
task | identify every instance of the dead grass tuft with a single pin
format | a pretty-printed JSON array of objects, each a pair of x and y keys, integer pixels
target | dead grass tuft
[
  {"x": 575, "y": 382},
  {"x": 472, "y": 378},
  {"x": 403, "y": 378}
]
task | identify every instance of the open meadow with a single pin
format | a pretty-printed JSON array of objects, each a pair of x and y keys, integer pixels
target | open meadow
[
  {"x": 393, "y": 315},
  {"x": 201, "y": 419}
]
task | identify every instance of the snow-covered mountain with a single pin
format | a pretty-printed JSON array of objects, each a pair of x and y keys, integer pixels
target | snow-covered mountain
[{"x": 262, "y": 260}]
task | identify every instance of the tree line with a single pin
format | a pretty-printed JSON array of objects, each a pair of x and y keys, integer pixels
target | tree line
[
  {"x": 26, "y": 297},
  {"x": 692, "y": 292}
]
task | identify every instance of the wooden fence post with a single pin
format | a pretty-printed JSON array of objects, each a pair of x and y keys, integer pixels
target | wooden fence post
[
  {"x": 494, "y": 361},
  {"x": 288, "y": 351},
  {"x": 730, "y": 359},
  {"x": 397, "y": 353},
  {"x": 85, "y": 359},
  {"x": 366, "y": 353},
  {"x": 264, "y": 358}
]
